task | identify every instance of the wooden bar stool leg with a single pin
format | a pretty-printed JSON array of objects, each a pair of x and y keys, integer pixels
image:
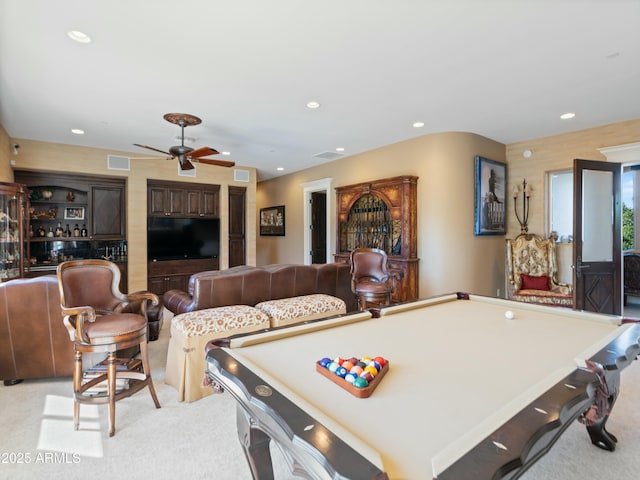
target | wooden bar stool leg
[
  {"x": 77, "y": 385},
  {"x": 147, "y": 371},
  {"x": 111, "y": 385}
]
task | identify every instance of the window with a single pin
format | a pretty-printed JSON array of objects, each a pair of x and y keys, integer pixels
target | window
[
  {"x": 629, "y": 175},
  {"x": 560, "y": 204}
]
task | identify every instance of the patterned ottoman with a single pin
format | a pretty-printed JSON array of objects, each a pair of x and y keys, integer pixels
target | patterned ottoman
[
  {"x": 299, "y": 309},
  {"x": 191, "y": 331}
]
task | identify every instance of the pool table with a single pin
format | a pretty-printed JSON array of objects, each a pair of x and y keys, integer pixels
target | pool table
[{"x": 469, "y": 391}]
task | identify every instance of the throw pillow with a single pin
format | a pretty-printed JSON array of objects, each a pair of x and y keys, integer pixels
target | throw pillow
[{"x": 529, "y": 282}]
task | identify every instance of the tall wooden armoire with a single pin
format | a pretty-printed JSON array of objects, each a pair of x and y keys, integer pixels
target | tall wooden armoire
[{"x": 382, "y": 214}]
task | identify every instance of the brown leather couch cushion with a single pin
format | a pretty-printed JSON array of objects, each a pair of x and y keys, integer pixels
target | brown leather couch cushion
[{"x": 34, "y": 343}]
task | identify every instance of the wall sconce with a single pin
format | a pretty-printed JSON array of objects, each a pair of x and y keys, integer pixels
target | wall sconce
[{"x": 526, "y": 192}]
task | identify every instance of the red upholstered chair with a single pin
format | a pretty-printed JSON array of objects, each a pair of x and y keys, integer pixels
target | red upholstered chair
[
  {"x": 371, "y": 282},
  {"x": 532, "y": 272},
  {"x": 98, "y": 319}
]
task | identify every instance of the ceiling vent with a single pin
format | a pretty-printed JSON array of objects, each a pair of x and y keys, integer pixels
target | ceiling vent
[
  {"x": 117, "y": 162},
  {"x": 329, "y": 155},
  {"x": 241, "y": 175}
]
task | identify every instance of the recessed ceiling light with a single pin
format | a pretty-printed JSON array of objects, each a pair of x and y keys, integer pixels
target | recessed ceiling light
[
  {"x": 77, "y": 131},
  {"x": 339, "y": 149},
  {"x": 418, "y": 124},
  {"x": 313, "y": 105},
  {"x": 567, "y": 116},
  {"x": 225, "y": 153},
  {"x": 280, "y": 169},
  {"x": 78, "y": 36}
]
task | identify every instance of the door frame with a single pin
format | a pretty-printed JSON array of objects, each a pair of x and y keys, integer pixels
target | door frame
[{"x": 322, "y": 185}]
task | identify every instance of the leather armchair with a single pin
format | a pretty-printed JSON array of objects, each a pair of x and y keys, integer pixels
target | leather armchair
[{"x": 371, "y": 281}]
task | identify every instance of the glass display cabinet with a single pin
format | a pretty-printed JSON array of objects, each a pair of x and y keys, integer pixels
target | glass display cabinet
[{"x": 13, "y": 208}]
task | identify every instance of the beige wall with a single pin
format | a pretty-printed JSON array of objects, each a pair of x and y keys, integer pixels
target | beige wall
[
  {"x": 452, "y": 258},
  {"x": 6, "y": 173},
  {"x": 44, "y": 156},
  {"x": 558, "y": 153}
]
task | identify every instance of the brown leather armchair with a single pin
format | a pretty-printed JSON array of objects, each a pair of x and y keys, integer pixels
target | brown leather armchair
[
  {"x": 371, "y": 282},
  {"x": 93, "y": 311}
]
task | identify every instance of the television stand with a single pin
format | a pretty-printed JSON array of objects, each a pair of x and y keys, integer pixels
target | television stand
[{"x": 163, "y": 275}]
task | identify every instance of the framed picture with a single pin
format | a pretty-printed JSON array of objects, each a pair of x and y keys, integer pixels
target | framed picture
[
  {"x": 74, "y": 213},
  {"x": 272, "y": 221},
  {"x": 490, "y": 197}
]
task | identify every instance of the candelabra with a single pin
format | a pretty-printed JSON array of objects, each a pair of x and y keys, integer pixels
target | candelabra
[{"x": 526, "y": 192}]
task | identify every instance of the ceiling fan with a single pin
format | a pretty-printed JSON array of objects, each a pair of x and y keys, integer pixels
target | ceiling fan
[{"x": 184, "y": 154}]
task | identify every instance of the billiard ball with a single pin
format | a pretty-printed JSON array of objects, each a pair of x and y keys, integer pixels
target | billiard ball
[
  {"x": 371, "y": 369},
  {"x": 509, "y": 315},
  {"x": 341, "y": 371},
  {"x": 381, "y": 361},
  {"x": 357, "y": 369},
  {"x": 360, "y": 382},
  {"x": 324, "y": 362},
  {"x": 350, "y": 377},
  {"x": 333, "y": 366}
]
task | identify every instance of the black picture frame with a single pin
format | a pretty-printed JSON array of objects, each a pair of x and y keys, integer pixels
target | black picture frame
[
  {"x": 490, "y": 197},
  {"x": 272, "y": 221}
]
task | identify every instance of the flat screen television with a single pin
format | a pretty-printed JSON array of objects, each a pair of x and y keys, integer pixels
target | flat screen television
[{"x": 171, "y": 238}]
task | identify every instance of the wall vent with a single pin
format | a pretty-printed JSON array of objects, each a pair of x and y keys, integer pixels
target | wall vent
[
  {"x": 329, "y": 155},
  {"x": 117, "y": 162},
  {"x": 241, "y": 175},
  {"x": 186, "y": 173}
]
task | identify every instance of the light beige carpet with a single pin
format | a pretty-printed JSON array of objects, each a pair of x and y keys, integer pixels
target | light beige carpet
[{"x": 198, "y": 440}]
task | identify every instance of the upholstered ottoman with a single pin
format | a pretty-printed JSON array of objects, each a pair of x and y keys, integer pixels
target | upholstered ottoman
[
  {"x": 191, "y": 331},
  {"x": 286, "y": 311}
]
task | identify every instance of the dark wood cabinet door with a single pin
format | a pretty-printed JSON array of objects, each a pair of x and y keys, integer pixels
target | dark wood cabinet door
[
  {"x": 157, "y": 198},
  {"x": 107, "y": 211},
  {"x": 209, "y": 203},
  {"x": 176, "y": 201},
  {"x": 193, "y": 204}
]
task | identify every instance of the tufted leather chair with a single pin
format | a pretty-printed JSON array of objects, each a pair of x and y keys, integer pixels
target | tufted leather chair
[
  {"x": 97, "y": 319},
  {"x": 371, "y": 282}
]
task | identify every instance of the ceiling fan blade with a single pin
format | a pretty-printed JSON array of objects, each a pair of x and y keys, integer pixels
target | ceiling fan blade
[
  {"x": 154, "y": 149},
  {"x": 185, "y": 164},
  {"x": 211, "y": 161},
  {"x": 203, "y": 152}
]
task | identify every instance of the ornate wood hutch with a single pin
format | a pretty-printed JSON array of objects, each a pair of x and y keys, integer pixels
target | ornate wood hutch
[{"x": 382, "y": 214}]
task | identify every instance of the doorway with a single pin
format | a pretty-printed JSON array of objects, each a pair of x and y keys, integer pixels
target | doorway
[{"x": 317, "y": 221}]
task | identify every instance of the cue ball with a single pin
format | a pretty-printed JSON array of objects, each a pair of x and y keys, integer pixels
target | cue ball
[{"x": 509, "y": 315}]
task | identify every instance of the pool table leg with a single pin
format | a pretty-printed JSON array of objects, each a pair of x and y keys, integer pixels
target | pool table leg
[
  {"x": 255, "y": 444},
  {"x": 597, "y": 430}
]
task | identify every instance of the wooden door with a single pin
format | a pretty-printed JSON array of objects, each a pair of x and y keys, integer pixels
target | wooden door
[
  {"x": 237, "y": 226},
  {"x": 107, "y": 211},
  {"x": 597, "y": 233},
  {"x": 318, "y": 227}
]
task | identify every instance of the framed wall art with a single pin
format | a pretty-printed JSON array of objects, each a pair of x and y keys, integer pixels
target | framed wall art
[
  {"x": 272, "y": 221},
  {"x": 74, "y": 213},
  {"x": 490, "y": 197}
]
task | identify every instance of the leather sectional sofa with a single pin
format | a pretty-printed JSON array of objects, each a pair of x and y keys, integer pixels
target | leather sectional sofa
[
  {"x": 246, "y": 299},
  {"x": 246, "y": 285}
]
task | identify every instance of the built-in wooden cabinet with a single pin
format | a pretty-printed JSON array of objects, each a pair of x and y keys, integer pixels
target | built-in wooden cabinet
[
  {"x": 174, "y": 274},
  {"x": 183, "y": 199},
  {"x": 180, "y": 200},
  {"x": 382, "y": 214}
]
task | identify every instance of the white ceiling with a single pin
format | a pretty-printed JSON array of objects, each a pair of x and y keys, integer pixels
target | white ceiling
[{"x": 505, "y": 69}]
